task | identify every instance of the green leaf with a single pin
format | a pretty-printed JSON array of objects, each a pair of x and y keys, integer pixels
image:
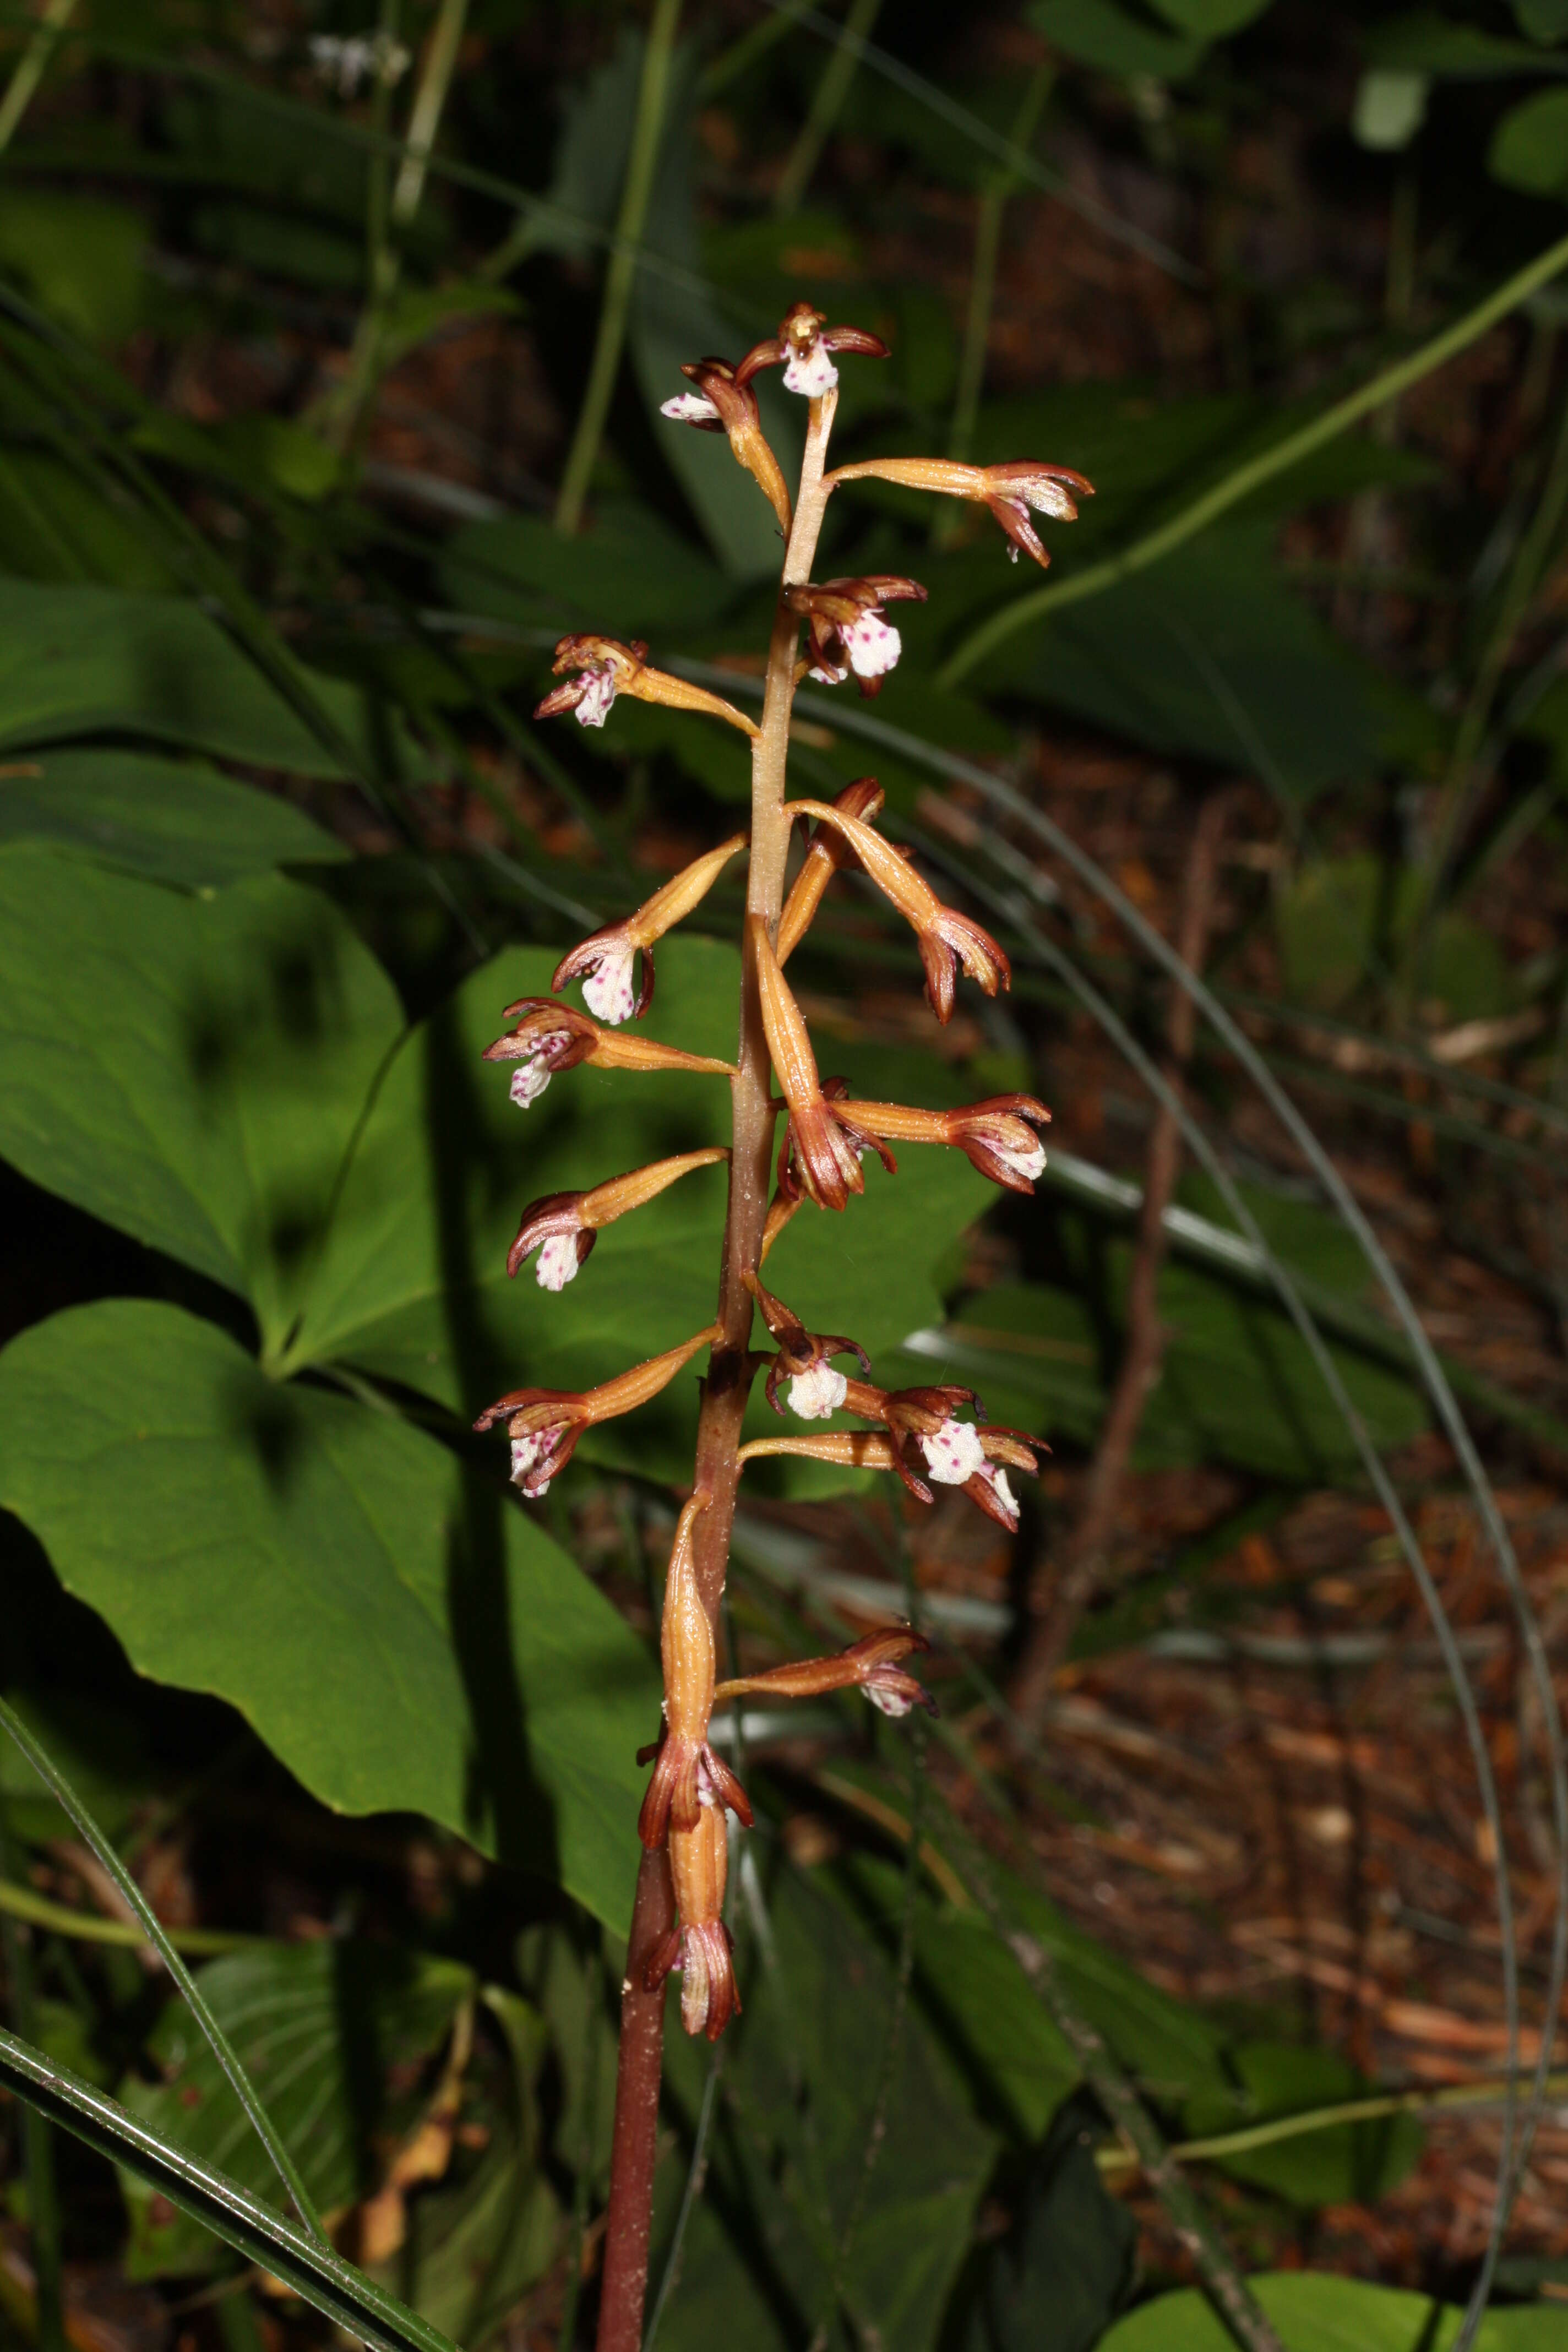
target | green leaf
[
  {"x": 79, "y": 660},
  {"x": 1066, "y": 2265},
  {"x": 1529, "y": 145},
  {"x": 1438, "y": 44},
  {"x": 1342, "y": 2164},
  {"x": 403, "y": 1639},
  {"x": 163, "y": 819},
  {"x": 1314, "y": 2313},
  {"x": 1099, "y": 33},
  {"x": 625, "y": 572},
  {"x": 325, "y": 2030},
  {"x": 1543, "y": 20},
  {"x": 412, "y": 1282},
  {"x": 1211, "y": 20},
  {"x": 56, "y": 526},
  {"x": 190, "y": 1070},
  {"x": 79, "y": 258}
]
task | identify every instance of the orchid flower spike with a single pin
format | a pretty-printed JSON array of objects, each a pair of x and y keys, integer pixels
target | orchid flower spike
[
  {"x": 604, "y": 961},
  {"x": 686, "y": 1774},
  {"x": 870, "y": 1665},
  {"x": 946, "y": 938},
  {"x": 700, "y": 1945},
  {"x": 720, "y": 404},
  {"x": 818, "y": 1142},
  {"x": 846, "y": 630},
  {"x": 993, "y": 1133},
  {"x": 803, "y": 347},
  {"x": 1009, "y": 490},
  {"x": 545, "y": 1425},
  {"x": 828, "y": 852},
  {"x": 550, "y": 1037},
  {"x": 564, "y": 1226},
  {"x": 602, "y": 667},
  {"x": 816, "y": 1389}
]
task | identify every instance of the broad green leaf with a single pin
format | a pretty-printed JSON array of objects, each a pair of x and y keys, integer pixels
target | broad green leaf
[
  {"x": 1543, "y": 20},
  {"x": 56, "y": 526},
  {"x": 1342, "y": 2164},
  {"x": 981, "y": 2005},
  {"x": 625, "y": 573},
  {"x": 1432, "y": 44},
  {"x": 164, "y": 819},
  {"x": 1314, "y": 2313},
  {"x": 1529, "y": 145},
  {"x": 190, "y": 1070},
  {"x": 79, "y": 258},
  {"x": 80, "y": 660},
  {"x": 1067, "y": 2265},
  {"x": 801, "y": 2084},
  {"x": 403, "y": 1639},
  {"x": 1211, "y": 20},
  {"x": 1099, "y": 33},
  {"x": 334, "y": 2036},
  {"x": 412, "y": 1284},
  {"x": 1327, "y": 921}
]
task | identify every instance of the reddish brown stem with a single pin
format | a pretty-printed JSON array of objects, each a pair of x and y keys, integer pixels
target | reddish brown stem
[
  {"x": 725, "y": 1390},
  {"x": 1144, "y": 1353},
  {"x": 633, "y": 2148}
]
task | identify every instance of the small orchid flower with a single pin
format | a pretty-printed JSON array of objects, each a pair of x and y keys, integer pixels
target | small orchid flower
[
  {"x": 1009, "y": 490},
  {"x": 564, "y": 1226},
  {"x": 846, "y": 630},
  {"x": 816, "y": 1389},
  {"x": 545, "y": 1425},
  {"x": 552, "y": 1037},
  {"x": 870, "y": 1665},
  {"x": 602, "y": 667},
  {"x": 816, "y": 1143},
  {"x": 804, "y": 346},
  {"x": 686, "y": 1774},
  {"x": 946, "y": 938},
  {"x": 605, "y": 961},
  {"x": 993, "y": 1133},
  {"x": 720, "y": 404}
]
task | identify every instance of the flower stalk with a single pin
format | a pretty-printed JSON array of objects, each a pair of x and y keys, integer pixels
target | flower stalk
[{"x": 923, "y": 1437}]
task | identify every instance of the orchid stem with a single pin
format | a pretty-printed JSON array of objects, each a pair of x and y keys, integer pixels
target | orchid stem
[{"x": 642, "y": 158}]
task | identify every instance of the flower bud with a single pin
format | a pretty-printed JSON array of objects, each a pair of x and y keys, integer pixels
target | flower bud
[
  {"x": 700, "y": 1945},
  {"x": 815, "y": 1142},
  {"x": 605, "y": 667},
  {"x": 803, "y": 347},
  {"x": 1009, "y": 490},
  {"x": 828, "y": 851},
  {"x": 604, "y": 961},
  {"x": 564, "y": 1226},
  {"x": 686, "y": 1774},
  {"x": 946, "y": 938}
]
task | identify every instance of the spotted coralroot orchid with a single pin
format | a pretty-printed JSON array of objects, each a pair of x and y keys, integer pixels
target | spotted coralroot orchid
[
  {"x": 564, "y": 1226},
  {"x": 804, "y": 348},
  {"x": 816, "y": 1390},
  {"x": 550, "y": 1037},
  {"x": 870, "y": 1665},
  {"x": 846, "y": 630},
  {"x": 602, "y": 668},
  {"x": 1010, "y": 490},
  {"x": 545, "y": 1425},
  {"x": 720, "y": 404},
  {"x": 605, "y": 961},
  {"x": 947, "y": 938},
  {"x": 797, "y": 1144}
]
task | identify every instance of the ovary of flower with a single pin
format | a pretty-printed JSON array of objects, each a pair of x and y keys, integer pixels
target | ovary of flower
[
  {"x": 954, "y": 1452},
  {"x": 593, "y": 706},
  {"x": 557, "y": 1262},
  {"x": 608, "y": 991},
  {"x": 811, "y": 374},
  {"x": 528, "y": 1080},
  {"x": 816, "y": 1394},
  {"x": 689, "y": 408},
  {"x": 872, "y": 645}
]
